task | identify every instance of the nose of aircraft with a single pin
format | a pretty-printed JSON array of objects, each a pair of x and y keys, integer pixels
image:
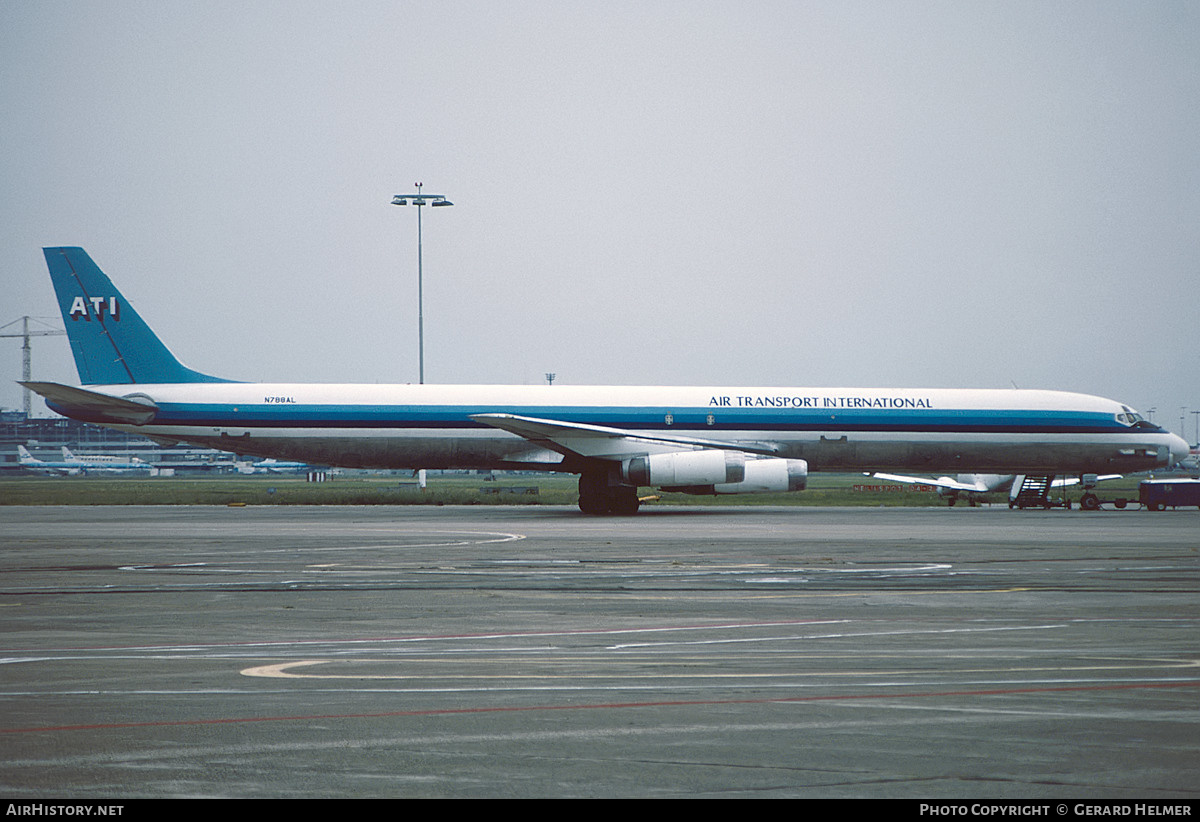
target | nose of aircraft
[{"x": 1179, "y": 449}]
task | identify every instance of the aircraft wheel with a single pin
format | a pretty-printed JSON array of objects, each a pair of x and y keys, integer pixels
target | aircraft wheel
[
  {"x": 593, "y": 494},
  {"x": 596, "y": 496},
  {"x": 1090, "y": 502},
  {"x": 625, "y": 501},
  {"x": 591, "y": 505}
]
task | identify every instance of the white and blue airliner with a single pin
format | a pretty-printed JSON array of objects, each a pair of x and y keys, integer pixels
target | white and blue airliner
[{"x": 716, "y": 440}]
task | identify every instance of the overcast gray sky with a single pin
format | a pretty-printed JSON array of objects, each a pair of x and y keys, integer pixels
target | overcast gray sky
[{"x": 934, "y": 194}]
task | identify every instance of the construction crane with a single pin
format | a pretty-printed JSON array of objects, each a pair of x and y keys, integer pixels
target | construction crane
[{"x": 26, "y": 350}]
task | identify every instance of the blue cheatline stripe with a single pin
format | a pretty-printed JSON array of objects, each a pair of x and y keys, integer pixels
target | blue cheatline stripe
[{"x": 642, "y": 418}]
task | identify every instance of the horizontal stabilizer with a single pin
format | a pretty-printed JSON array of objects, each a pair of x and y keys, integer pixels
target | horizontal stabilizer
[{"x": 92, "y": 406}]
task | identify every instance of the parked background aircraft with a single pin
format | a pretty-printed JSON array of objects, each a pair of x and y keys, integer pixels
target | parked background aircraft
[
  {"x": 104, "y": 461},
  {"x": 272, "y": 466},
  {"x": 1023, "y": 490},
  {"x": 31, "y": 463},
  {"x": 696, "y": 440},
  {"x": 72, "y": 465}
]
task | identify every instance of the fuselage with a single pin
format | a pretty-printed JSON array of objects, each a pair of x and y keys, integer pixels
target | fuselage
[{"x": 833, "y": 429}]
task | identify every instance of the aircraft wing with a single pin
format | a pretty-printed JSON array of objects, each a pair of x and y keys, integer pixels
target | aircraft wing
[
  {"x": 941, "y": 482},
  {"x": 600, "y": 442}
]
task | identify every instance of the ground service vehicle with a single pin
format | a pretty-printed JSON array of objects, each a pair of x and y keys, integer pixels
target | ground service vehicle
[{"x": 1158, "y": 494}]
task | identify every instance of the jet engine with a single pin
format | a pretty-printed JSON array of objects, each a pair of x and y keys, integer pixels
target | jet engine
[
  {"x": 715, "y": 472},
  {"x": 706, "y": 467},
  {"x": 768, "y": 475},
  {"x": 760, "y": 476}
]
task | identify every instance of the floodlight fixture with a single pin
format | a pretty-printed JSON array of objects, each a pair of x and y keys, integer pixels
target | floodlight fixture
[{"x": 419, "y": 200}]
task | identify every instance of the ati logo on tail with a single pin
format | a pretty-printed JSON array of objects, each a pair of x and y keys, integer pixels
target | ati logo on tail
[{"x": 98, "y": 307}]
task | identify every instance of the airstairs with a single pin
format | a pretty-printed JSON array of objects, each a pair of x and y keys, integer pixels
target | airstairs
[{"x": 1031, "y": 491}]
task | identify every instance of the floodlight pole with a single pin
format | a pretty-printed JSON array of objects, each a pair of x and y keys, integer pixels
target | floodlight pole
[{"x": 420, "y": 200}]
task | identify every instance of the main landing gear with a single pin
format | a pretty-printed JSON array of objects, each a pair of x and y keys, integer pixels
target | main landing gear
[{"x": 597, "y": 495}]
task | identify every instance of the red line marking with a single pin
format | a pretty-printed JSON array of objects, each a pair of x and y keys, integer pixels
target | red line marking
[{"x": 604, "y": 705}]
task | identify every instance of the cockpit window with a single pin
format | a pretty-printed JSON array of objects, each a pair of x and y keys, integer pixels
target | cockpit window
[{"x": 1130, "y": 417}]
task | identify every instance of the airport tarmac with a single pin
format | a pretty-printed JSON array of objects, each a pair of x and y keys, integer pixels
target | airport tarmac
[{"x": 535, "y": 652}]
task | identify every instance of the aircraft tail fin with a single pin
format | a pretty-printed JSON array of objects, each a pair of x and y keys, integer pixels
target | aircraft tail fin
[{"x": 111, "y": 343}]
